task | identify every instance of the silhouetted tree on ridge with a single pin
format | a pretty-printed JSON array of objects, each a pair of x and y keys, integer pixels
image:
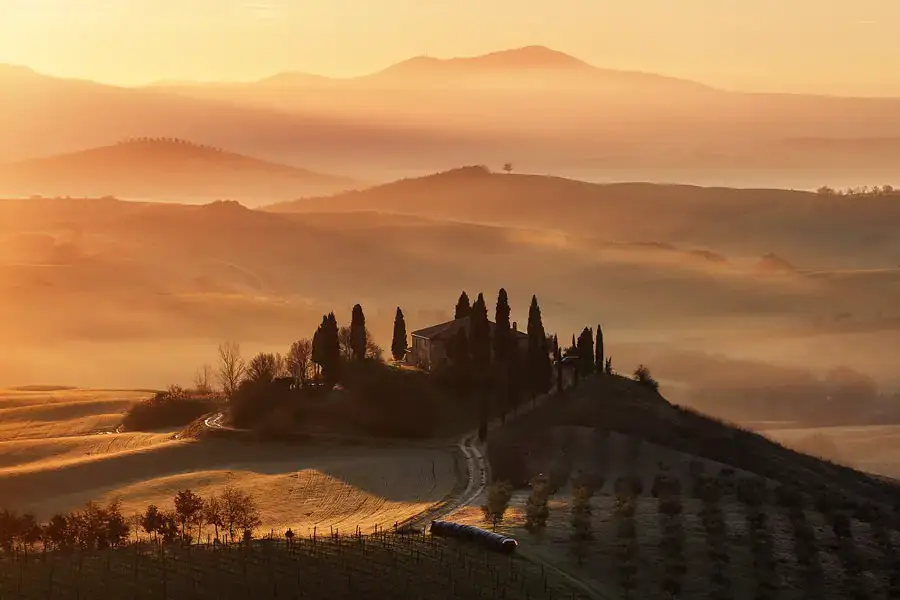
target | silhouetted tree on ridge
[
  {"x": 538, "y": 361},
  {"x": 358, "y": 333},
  {"x": 463, "y": 307},
  {"x": 398, "y": 342},
  {"x": 599, "y": 363}
]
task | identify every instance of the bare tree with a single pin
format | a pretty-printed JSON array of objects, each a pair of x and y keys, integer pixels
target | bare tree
[
  {"x": 213, "y": 513},
  {"x": 232, "y": 367},
  {"x": 203, "y": 380},
  {"x": 345, "y": 339},
  {"x": 264, "y": 367},
  {"x": 239, "y": 510},
  {"x": 299, "y": 360}
]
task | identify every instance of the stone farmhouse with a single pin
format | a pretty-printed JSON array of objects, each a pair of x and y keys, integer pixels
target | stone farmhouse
[{"x": 430, "y": 345}]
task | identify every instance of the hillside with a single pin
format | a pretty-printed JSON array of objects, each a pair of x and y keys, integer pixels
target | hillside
[
  {"x": 675, "y": 502},
  {"x": 798, "y": 225},
  {"x": 172, "y": 281},
  {"x": 168, "y": 169}
]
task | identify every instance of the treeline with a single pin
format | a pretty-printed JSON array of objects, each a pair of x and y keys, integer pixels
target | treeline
[
  {"x": 884, "y": 190},
  {"x": 234, "y": 514},
  {"x": 171, "y": 408}
]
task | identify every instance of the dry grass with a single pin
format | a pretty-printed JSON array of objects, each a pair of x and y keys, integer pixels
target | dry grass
[
  {"x": 51, "y": 460},
  {"x": 28, "y": 415}
]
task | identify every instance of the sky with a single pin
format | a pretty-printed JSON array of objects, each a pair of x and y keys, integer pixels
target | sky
[{"x": 821, "y": 46}]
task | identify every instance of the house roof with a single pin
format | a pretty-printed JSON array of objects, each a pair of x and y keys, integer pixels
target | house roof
[{"x": 451, "y": 327}]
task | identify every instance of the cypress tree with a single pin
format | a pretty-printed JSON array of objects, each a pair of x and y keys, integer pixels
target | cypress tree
[
  {"x": 501, "y": 328},
  {"x": 598, "y": 350},
  {"x": 538, "y": 362},
  {"x": 398, "y": 343},
  {"x": 331, "y": 349},
  {"x": 557, "y": 358},
  {"x": 463, "y": 308},
  {"x": 480, "y": 351},
  {"x": 586, "y": 351},
  {"x": 318, "y": 345},
  {"x": 480, "y": 337},
  {"x": 358, "y": 333}
]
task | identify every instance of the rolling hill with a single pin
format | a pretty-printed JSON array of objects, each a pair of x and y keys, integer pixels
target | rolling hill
[
  {"x": 829, "y": 231},
  {"x": 168, "y": 169}
]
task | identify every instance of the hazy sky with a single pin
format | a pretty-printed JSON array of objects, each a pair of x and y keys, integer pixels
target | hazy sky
[{"x": 832, "y": 46}]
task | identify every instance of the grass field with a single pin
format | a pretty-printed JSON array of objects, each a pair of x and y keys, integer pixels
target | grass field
[{"x": 53, "y": 459}]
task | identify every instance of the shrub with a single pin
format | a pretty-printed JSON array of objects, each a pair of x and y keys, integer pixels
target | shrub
[
  {"x": 642, "y": 376},
  {"x": 172, "y": 408}
]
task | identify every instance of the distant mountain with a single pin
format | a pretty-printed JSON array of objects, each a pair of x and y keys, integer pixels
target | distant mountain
[
  {"x": 542, "y": 109},
  {"x": 169, "y": 169},
  {"x": 42, "y": 115}
]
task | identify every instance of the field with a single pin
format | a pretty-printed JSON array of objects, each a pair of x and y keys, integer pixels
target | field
[
  {"x": 726, "y": 544},
  {"x": 53, "y": 459}
]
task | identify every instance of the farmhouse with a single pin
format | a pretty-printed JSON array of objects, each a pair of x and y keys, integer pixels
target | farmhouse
[{"x": 430, "y": 345}]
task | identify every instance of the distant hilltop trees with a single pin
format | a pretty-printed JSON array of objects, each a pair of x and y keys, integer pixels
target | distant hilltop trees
[
  {"x": 884, "y": 190},
  {"x": 168, "y": 140}
]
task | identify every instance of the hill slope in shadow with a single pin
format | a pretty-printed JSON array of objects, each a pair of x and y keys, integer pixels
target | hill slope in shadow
[{"x": 163, "y": 169}]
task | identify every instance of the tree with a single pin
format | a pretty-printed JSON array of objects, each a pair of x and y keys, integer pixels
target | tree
[
  {"x": 536, "y": 510},
  {"x": 508, "y": 167},
  {"x": 203, "y": 380},
  {"x": 327, "y": 348},
  {"x": 358, "y": 333},
  {"x": 498, "y": 497},
  {"x": 117, "y": 527},
  {"x": 151, "y": 521},
  {"x": 480, "y": 351},
  {"x": 231, "y": 367},
  {"x": 373, "y": 350},
  {"x": 299, "y": 360},
  {"x": 642, "y": 375},
  {"x": 398, "y": 342},
  {"x": 581, "y": 522},
  {"x": 463, "y": 308},
  {"x": 585, "y": 351},
  {"x": 480, "y": 335},
  {"x": 345, "y": 339},
  {"x": 264, "y": 368},
  {"x": 540, "y": 370},
  {"x": 188, "y": 507},
  {"x": 213, "y": 514},
  {"x": 29, "y": 531},
  {"x": 58, "y": 533},
  {"x": 598, "y": 351},
  {"x": 239, "y": 510},
  {"x": 502, "y": 335}
]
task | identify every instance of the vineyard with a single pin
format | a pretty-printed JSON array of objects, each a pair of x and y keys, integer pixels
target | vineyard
[{"x": 382, "y": 565}]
